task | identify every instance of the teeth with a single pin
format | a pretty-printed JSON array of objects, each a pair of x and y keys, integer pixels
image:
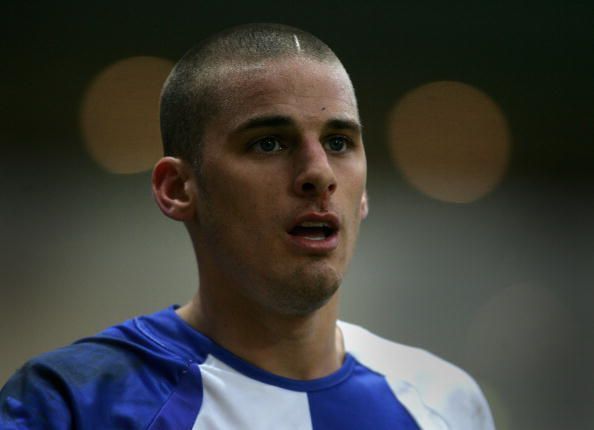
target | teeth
[
  {"x": 313, "y": 224},
  {"x": 315, "y": 238}
]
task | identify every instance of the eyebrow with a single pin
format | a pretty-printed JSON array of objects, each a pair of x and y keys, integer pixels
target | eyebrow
[
  {"x": 345, "y": 124},
  {"x": 271, "y": 121},
  {"x": 265, "y": 122}
]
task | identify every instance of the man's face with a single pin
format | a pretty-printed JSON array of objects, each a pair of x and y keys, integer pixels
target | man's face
[{"x": 282, "y": 184}]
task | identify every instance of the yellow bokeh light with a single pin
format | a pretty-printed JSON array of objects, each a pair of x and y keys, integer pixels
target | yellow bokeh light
[
  {"x": 120, "y": 114},
  {"x": 450, "y": 140}
]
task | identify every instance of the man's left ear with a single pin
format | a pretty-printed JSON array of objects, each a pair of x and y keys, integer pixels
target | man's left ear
[{"x": 364, "y": 209}]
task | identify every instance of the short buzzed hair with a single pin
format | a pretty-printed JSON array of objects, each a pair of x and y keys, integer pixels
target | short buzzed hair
[{"x": 189, "y": 97}]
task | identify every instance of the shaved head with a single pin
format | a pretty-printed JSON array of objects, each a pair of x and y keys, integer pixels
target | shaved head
[{"x": 195, "y": 90}]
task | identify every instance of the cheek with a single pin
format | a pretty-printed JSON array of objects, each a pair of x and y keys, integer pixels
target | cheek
[
  {"x": 243, "y": 197},
  {"x": 353, "y": 185},
  {"x": 353, "y": 189}
]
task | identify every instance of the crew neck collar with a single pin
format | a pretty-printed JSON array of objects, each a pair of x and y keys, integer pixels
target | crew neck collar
[{"x": 170, "y": 331}]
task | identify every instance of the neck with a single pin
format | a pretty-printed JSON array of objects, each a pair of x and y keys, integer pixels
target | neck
[{"x": 297, "y": 347}]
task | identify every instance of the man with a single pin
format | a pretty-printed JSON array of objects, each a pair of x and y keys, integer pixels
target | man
[{"x": 266, "y": 168}]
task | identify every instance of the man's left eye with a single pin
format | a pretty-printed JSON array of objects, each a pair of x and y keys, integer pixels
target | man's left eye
[{"x": 336, "y": 144}]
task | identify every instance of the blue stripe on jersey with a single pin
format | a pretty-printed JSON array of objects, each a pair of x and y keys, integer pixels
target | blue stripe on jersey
[
  {"x": 181, "y": 409},
  {"x": 363, "y": 401}
]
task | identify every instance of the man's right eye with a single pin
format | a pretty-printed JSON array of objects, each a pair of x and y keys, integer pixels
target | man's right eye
[{"x": 268, "y": 144}]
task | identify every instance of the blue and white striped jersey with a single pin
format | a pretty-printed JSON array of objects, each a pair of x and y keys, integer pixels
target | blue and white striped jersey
[{"x": 157, "y": 372}]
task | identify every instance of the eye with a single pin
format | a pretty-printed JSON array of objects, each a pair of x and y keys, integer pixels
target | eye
[
  {"x": 337, "y": 144},
  {"x": 267, "y": 144}
]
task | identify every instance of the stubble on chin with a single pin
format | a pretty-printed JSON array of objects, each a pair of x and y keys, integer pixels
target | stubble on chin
[{"x": 305, "y": 291}]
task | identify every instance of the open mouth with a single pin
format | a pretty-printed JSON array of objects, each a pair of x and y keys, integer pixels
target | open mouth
[{"x": 313, "y": 230}]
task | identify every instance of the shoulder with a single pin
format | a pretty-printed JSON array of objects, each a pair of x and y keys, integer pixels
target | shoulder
[
  {"x": 77, "y": 385},
  {"x": 116, "y": 355},
  {"x": 432, "y": 388}
]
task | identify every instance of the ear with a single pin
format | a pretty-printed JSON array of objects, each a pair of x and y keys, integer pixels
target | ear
[
  {"x": 364, "y": 208},
  {"x": 174, "y": 188}
]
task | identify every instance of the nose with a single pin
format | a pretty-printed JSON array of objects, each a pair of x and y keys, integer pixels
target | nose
[{"x": 315, "y": 177}]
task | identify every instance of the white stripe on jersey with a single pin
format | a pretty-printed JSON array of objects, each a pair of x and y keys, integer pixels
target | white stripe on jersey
[{"x": 234, "y": 401}]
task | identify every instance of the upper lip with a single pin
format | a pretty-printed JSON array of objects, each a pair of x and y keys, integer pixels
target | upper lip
[{"x": 330, "y": 219}]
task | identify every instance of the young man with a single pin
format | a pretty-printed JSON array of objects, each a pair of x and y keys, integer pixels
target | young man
[{"x": 266, "y": 168}]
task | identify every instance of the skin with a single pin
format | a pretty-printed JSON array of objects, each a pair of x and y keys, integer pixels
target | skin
[{"x": 287, "y": 141}]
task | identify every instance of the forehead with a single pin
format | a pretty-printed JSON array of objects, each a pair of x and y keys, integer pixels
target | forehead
[{"x": 301, "y": 88}]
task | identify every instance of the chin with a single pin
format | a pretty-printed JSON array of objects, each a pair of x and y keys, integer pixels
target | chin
[{"x": 306, "y": 291}]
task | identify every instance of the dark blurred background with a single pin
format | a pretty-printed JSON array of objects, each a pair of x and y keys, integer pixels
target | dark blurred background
[{"x": 479, "y": 127}]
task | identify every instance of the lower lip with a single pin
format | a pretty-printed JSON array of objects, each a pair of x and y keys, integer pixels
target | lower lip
[{"x": 313, "y": 246}]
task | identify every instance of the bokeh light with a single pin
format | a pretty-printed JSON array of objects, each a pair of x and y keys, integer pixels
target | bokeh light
[
  {"x": 450, "y": 140},
  {"x": 120, "y": 114}
]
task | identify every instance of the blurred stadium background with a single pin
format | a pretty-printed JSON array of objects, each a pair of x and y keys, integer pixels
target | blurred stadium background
[{"x": 479, "y": 127}]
